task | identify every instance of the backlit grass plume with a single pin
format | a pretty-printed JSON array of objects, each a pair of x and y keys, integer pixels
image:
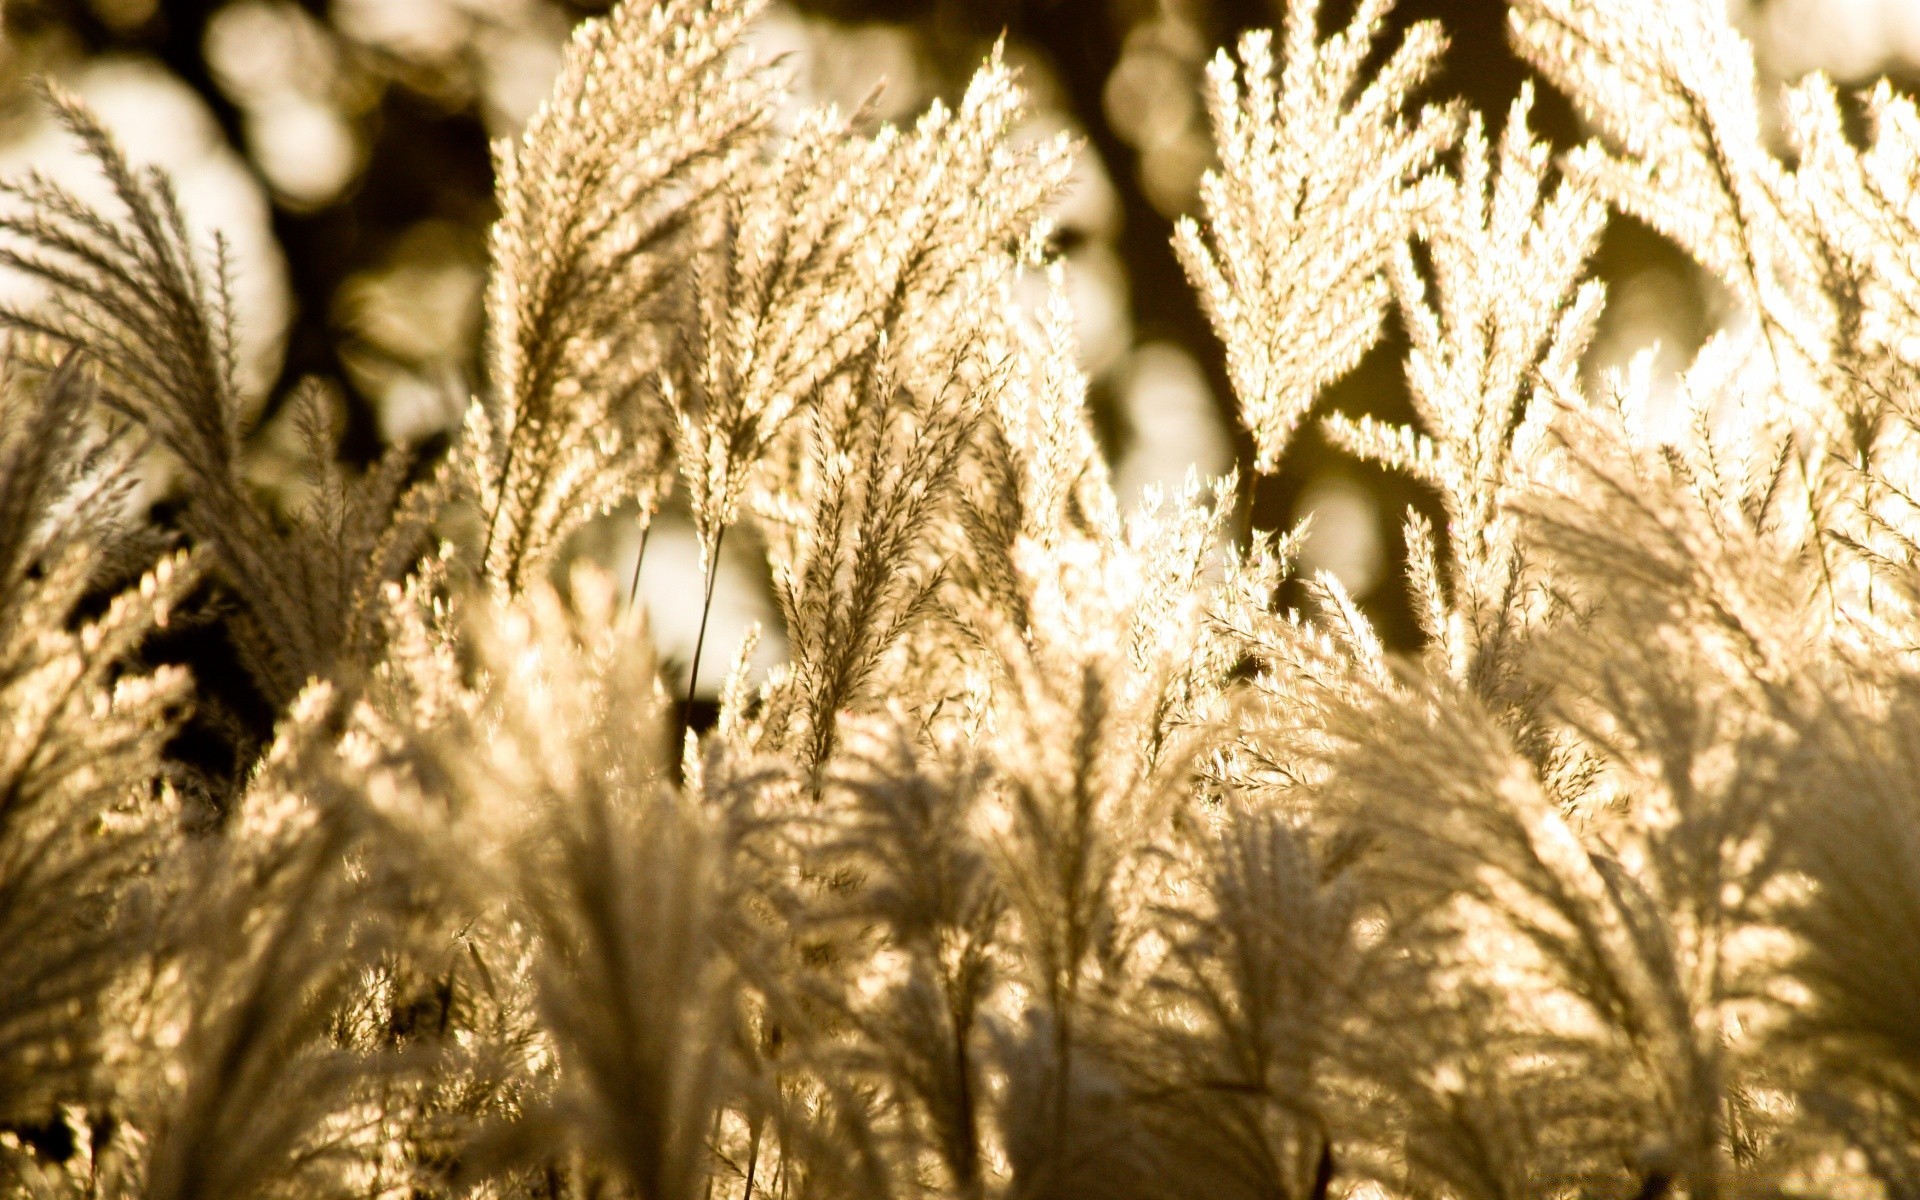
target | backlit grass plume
[{"x": 1058, "y": 857}]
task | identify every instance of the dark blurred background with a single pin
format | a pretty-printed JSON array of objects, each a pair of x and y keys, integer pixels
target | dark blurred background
[{"x": 343, "y": 146}]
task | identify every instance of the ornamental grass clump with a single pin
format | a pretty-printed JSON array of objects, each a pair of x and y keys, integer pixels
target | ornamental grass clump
[{"x": 1058, "y": 858}]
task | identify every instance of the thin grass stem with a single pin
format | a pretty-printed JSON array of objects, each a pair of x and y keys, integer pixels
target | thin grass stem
[{"x": 700, "y": 639}]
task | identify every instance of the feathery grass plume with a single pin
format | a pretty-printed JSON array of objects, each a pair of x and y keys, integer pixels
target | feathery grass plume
[
  {"x": 1094, "y": 715},
  {"x": 1041, "y": 475},
  {"x": 131, "y": 290},
  {"x": 863, "y": 570},
  {"x": 1112, "y": 648},
  {"x": 1671, "y": 90},
  {"x": 275, "y": 926},
  {"x": 1257, "y": 993},
  {"x": 1687, "y": 737},
  {"x": 1270, "y": 668},
  {"x": 1862, "y": 211},
  {"x": 1084, "y": 697},
  {"x": 83, "y": 811},
  {"x": 843, "y": 243},
  {"x": 1617, "y": 893},
  {"x": 1575, "y": 947},
  {"x": 1071, "y": 1129},
  {"x": 1709, "y": 524},
  {"x": 62, "y": 486},
  {"x": 79, "y": 822},
  {"x": 424, "y": 683},
  {"x": 1506, "y": 259},
  {"x": 1489, "y": 1109},
  {"x": 344, "y": 542},
  {"x": 869, "y": 516},
  {"x": 631, "y": 991},
  {"x": 1058, "y": 581},
  {"x": 1851, "y": 826},
  {"x": 601, "y": 201},
  {"x": 1817, "y": 597},
  {"x": 1859, "y": 209},
  {"x": 1319, "y": 180},
  {"x": 619, "y": 880},
  {"x": 129, "y": 286},
  {"x": 927, "y": 886},
  {"x": 1110, "y": 605},
  {"x": 1074, "y": 839},
  {"x": 454, "y": 994}
]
